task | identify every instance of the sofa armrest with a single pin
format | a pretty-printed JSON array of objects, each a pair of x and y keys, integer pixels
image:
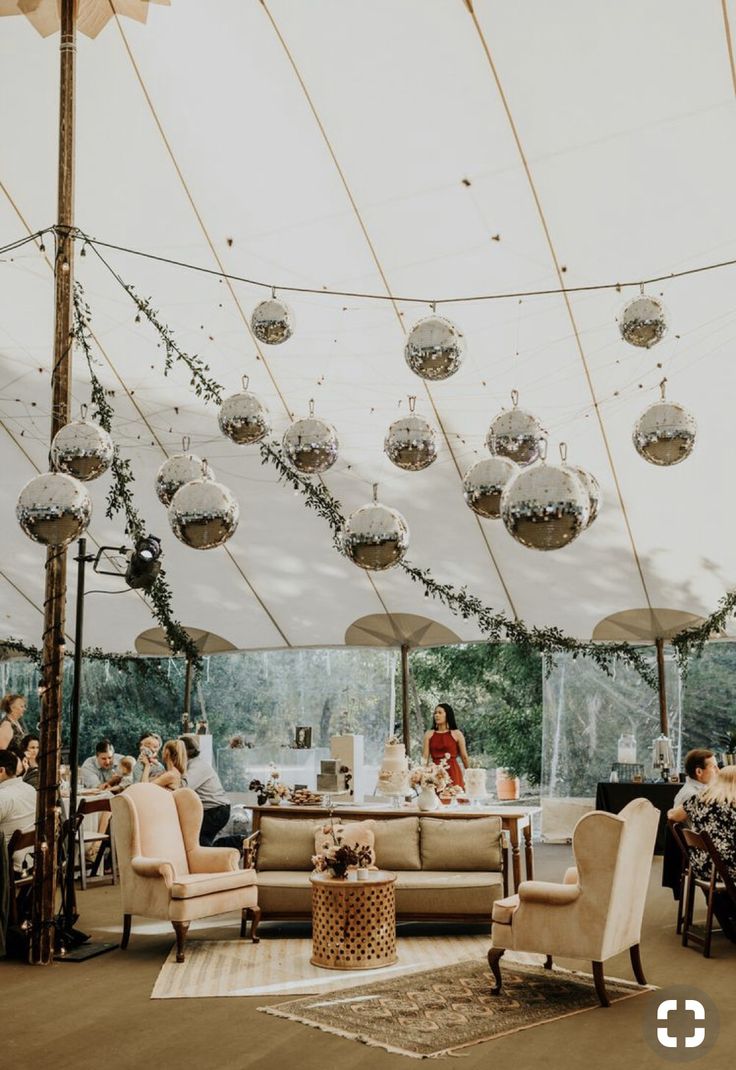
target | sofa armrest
[
  {"x": 153, "y": 867},
  {"x": 250, "y": 850},
  {"x": 213, "y": 859},
  {"x": 548, "y": 893},
  {"x": 571, "y": 875}
]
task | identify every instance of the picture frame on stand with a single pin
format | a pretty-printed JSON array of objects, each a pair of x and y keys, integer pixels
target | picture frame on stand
[{"x": 303, "y": 737}]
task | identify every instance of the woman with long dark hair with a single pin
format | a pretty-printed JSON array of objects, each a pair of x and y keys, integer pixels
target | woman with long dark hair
[{"x": 446, "y": 740}]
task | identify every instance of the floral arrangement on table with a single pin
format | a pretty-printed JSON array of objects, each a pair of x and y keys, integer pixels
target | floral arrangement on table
[
  {"x": 239, "y": 743},
  {"x": 339, "y": 857},
  {"x": 433, "y": 775},
  {"x": 273, "y": 791}
]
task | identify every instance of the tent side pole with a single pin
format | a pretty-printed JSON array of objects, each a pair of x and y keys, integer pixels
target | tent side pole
[
  {"x": 664, "y": 721},
  {"x": 405, "y": 694}
]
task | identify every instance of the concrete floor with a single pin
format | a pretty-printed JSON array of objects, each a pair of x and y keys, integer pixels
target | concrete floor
[{"x": 99, "y": 1013}]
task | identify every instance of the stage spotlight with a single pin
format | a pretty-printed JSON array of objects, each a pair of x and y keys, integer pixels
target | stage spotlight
[{"x": 144, "y": 564}]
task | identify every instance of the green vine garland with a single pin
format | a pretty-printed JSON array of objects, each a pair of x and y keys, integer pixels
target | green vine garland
[{"x": 145, "y": 666}]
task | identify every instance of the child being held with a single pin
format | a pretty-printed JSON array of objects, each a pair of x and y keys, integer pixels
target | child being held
[{"x": 125, "y": 768}]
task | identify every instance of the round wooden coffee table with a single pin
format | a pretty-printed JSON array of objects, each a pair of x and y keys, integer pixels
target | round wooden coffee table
[{"x": 353, "y": 922}]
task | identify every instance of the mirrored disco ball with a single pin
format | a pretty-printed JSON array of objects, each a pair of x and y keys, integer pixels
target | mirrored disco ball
[
  {"x": 411, "y": 443},
  {"x": 311, "y": 445},
  {"x": 272, "y": 322},
  {"x": 515, "y": 434},
  {"x": 592, "y": 489},
  {"x": 643, "y": 321},
  {"x": 545, "y": 507},
  {"x": 179, "y": 469},
  {"x": 203, "y": 514},
  {"x": 82, "y": 449},
  {"x": 244, "y": 419},
  {"x": 484, "y": 484},
  {"x": 375, "y": 537},
  {"x": 54, "y": 509},
  {"x": 434, "y": 348},
  {"x": 665, "y": 434}
]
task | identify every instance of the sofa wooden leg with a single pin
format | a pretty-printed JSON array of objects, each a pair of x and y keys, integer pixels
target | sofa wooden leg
[
  {"x": 243, "y": 922},
  {"x": 494, "y": 960},
  {"x": 127, "y": 918},
  {"x": 548, "y": 962},
  {"x": 180, "y": 928},
  {"x": 255, "y": 922},
  {"x": 600, "y": 984},
  {"x": 635, "y": 954}
]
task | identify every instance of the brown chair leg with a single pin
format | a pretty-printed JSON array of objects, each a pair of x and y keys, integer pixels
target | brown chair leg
[
  {"x": 635, "y": 955},
  {"x": 243, "y": 922},
  {"x": 126, "y": 931},
  {"x": 180, "y": 928},
  {"x": 708, "y": 924},
  {"x": 600, "y": 984},
  {"x": 494, "y": 959},
  {"x": 548, "y": 962},
  {"x": 255, "y": 922}
]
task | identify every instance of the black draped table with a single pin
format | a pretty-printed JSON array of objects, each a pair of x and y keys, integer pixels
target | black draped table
[{"x": 613, "y": 798}]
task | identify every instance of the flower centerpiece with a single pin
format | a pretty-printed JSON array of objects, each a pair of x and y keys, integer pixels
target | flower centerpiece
[
  {"x": 429, "y": 780},
  {"x": 273, "y": 791},
  {"x": 339, "y": 857}
]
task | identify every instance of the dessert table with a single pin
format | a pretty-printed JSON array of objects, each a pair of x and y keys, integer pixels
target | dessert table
[
  {"x": 516, "y": 820},
  {"x": 353, "y": 921}
]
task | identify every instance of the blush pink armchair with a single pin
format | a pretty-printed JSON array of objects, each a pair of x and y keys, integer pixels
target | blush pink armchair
[
  {"x": 596, "y": 912},
  {"x": 164, "y": 873}
]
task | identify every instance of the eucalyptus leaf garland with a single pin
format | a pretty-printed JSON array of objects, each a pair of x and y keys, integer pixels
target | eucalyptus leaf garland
[{"x": 146, "y": 667}]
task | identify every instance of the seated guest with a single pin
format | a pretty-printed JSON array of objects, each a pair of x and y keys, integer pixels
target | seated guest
[
  {"x": 174, "y": 755},
  {"x": 714, "y": 811},
  {"x": 202, "y": 778},
  {"x": 12, "y": 729},
  {"x": 17, "y": 800},
  {"x": 29, "y": 760},
  {"x": 701, "y": 769},
  {"x": 100, "y": 769},
  {"x": 125, "y": 768},
  {"x": 149, "y": 745}
]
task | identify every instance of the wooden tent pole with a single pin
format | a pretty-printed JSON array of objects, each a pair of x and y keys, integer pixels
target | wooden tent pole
[
  {"x": 52, "y": 669},
  {"x": 664, "y": 721},
  {"x": 405, "y": 694},
  {"x": 186, "y": 721}
]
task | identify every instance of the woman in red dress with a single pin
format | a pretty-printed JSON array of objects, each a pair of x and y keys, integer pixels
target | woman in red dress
[{"x": 445, "y": 740}]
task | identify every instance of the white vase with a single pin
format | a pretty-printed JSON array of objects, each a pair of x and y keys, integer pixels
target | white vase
[{"x": 428, "y": 799}]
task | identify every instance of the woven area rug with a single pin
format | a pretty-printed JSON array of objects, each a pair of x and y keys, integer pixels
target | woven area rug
[
  {"x": 438, "y": 1012},
  {"x": 277, "y": 967}
]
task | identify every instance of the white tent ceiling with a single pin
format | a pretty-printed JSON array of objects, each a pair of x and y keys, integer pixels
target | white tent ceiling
[{"x": 380, "y": 147}]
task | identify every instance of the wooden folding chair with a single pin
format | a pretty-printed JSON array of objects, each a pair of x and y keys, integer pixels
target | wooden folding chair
[
  {"x": 676, "y": 828},
  {"x": 103, "y": 839},
  {"x": 719, "y": 882},
  {"x": 19, "y": 905}
]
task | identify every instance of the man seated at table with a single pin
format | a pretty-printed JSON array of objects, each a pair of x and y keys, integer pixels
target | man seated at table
[
  {"x": 17, "y": 800},
  {"x": 202, "y": 779},
  {"x": 100, "y": 769},
  {"x": 701, "y": 769},
  {"x": 149, "y": 745}
]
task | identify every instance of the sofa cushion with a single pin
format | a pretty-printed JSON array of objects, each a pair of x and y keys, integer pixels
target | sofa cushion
[
  {"x": 461, "y": 844},
  {"x": 504, "y": 909},
  {"x": 286, "y": 843},
  {"x": 397, "y": 843},
  {"x": 195, "y": 884},
  {"x": 355, "y": 833}
]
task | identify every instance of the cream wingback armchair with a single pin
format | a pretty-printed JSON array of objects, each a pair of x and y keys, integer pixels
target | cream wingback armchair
[
  {"x": 597, "y": 911},
  {"x": 164, "y": 873}
]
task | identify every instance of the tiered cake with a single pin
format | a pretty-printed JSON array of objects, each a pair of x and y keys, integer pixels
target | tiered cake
[
  {"x": 475, "y": 783},
  {"x": 329, "y": 778},
  {"x": 393, "y": 776}
]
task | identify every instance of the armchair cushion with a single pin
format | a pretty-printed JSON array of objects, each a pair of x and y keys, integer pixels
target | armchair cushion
[
  {"x": 196, "y": 884},
  {"x": 504, "y": 909},
  {"x": 213, "y": 859}
]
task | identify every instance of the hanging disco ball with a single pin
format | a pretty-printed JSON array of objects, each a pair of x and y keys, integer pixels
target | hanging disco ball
[
  {"x": 244, "y": 418},
  {"x": 203, "y": 514},
  {"x": 272, "y": 322},
  {"x": 545, "y": 508},
  {"x": 411, "y": 443},
  {"x": 179, "y": 469},
  {"x": 53, "y": 509},
  {"x": 311, "y": 445},
  {"x": 665, "y": 434},
  {"x": 82, "y": 449},
  {"x": 642, "y": 321},
  {"x": 434, "y": 348},
  {"x": 375, "y": 537},
  {"x": 515, "y": 434},
  {"x": 592, "y": 488},
  {"x": 484, "y": 484}
]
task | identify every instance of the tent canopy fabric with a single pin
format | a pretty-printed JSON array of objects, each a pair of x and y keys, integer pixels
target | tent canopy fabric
[{"x": 401, "y": 149}]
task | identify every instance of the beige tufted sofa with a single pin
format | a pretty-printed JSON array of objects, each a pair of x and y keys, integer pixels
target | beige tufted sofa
[{"x": 445, "y": 869}]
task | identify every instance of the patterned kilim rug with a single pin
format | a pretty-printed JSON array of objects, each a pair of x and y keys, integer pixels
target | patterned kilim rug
[{"x": 440, "y": 1011}]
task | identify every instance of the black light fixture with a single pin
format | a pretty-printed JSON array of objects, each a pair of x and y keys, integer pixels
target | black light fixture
[{"x": 144, "y": 563}]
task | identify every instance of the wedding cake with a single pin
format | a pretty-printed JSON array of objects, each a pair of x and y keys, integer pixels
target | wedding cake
[
  {"x": 393, "y": 776},
  {"x": 475, "y": 783}
]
